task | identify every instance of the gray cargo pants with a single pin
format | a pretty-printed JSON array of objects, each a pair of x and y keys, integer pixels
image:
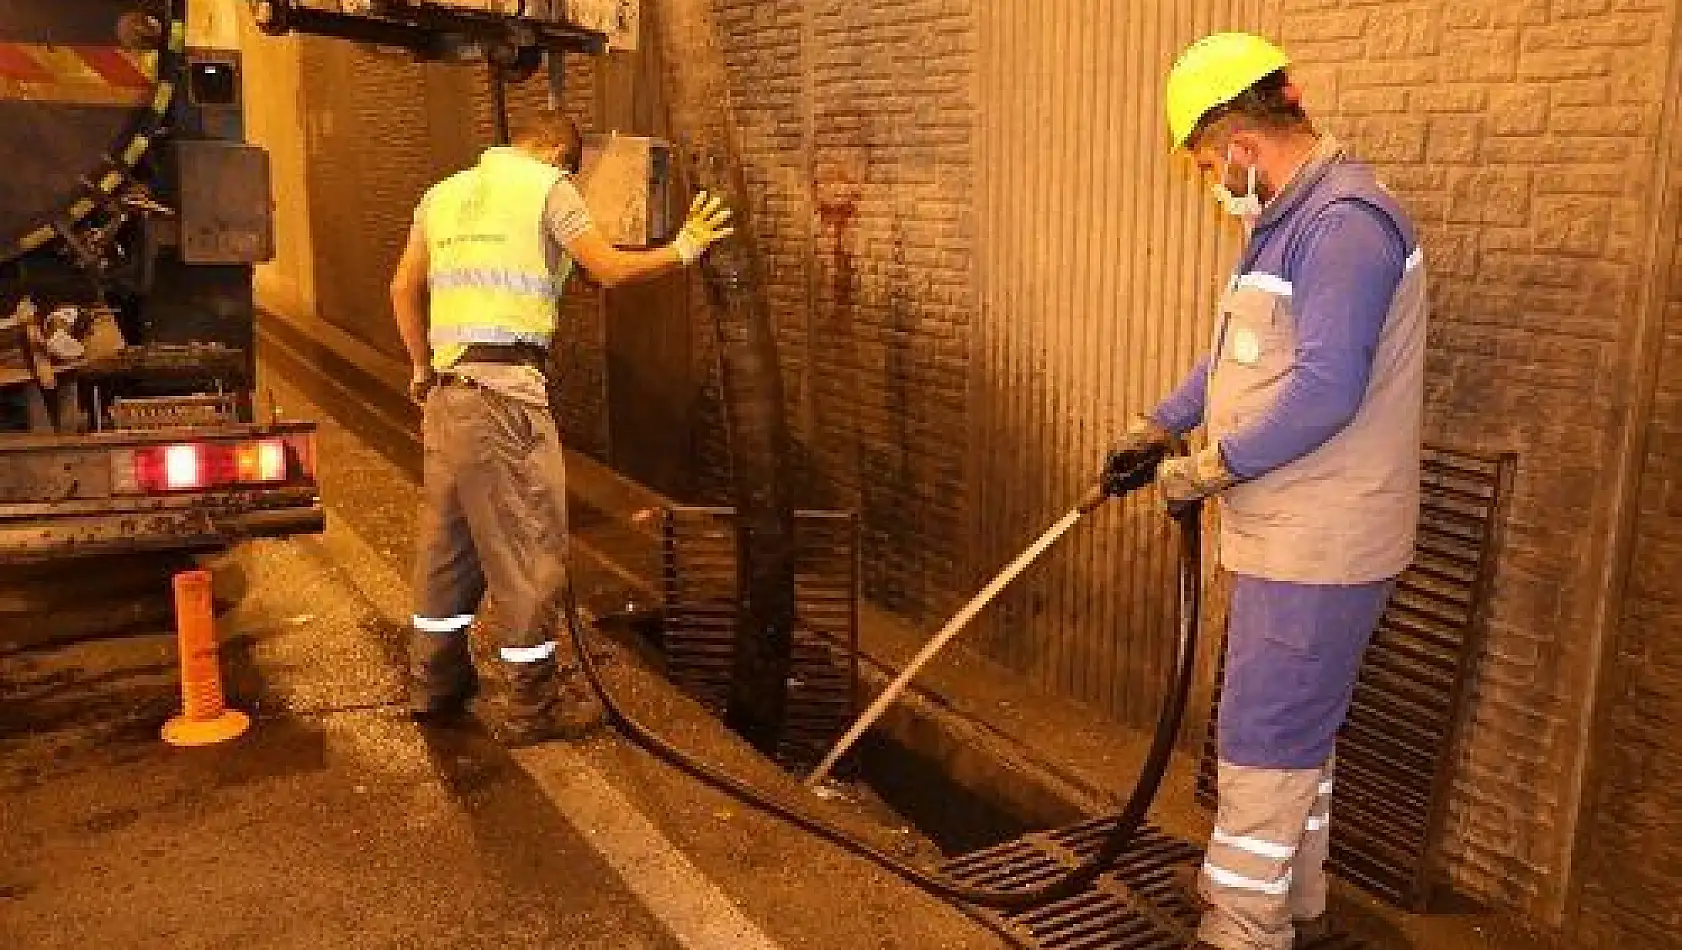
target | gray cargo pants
[{"x": 493, "y": 514}]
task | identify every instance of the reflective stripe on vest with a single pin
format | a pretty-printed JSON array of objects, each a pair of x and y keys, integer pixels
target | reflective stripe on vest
[
  {"x": 479, "y": 277},
  {"x": 488, "y": 266},
  {"x": 462, "y": 336}
]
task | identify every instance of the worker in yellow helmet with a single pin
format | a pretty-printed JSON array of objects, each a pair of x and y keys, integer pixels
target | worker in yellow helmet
[
  {"x": 1311, "y": 397},
  {"x": 476, "y": 297}
]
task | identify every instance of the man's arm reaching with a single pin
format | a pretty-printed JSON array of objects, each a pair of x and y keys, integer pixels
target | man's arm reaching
[{"x": 610, "y": 266}]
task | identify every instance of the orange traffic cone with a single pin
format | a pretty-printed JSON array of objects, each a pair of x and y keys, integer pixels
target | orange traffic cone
[{"x": 204, "y": 718}]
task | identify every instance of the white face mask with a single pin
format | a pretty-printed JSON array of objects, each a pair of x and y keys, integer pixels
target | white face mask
[{"x": 1247, "y": 206}]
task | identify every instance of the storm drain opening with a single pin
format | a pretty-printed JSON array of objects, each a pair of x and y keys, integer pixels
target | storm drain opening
[
  {"x": 1136, "y": 906},
  {"x": 699, "y": 547},
  {"x": 1394, "y": 755}
]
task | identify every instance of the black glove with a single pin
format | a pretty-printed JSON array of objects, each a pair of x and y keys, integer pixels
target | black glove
[
  {"x": 1132, "y": 460},
  {"x": 1128, "y": 470}
]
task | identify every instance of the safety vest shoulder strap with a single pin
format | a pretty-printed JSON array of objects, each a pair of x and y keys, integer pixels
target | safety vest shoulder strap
[{"x": 1356, "y": 181}]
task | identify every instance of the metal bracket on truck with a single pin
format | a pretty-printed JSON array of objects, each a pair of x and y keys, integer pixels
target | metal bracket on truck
[{"x": 513, "y": 34}]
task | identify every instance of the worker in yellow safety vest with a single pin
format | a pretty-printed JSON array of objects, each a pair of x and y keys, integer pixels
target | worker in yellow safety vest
[{"x": 476, "y": 297}]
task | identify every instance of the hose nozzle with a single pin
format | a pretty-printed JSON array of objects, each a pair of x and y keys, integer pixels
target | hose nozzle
[{"x": 1094, "y": 499}]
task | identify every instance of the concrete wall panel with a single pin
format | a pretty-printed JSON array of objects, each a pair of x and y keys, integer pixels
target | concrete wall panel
[{"x": 1098, "y": 259}]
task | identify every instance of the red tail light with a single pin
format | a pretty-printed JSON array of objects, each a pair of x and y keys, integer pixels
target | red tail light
[{"x": 199, "y": 466}]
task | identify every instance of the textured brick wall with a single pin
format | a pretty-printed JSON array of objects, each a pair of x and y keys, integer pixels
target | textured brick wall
[
  {"x": 1630, "y": 871},
  {"x": 1097, "y": 259},
  {"x": 1521, "y": 135},
  {"x": 855, "y": 129},
  {"x": 368, "y": 160}
]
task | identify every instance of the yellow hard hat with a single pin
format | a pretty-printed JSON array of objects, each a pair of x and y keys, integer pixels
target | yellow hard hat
[{"x": 1214, "y": 71}]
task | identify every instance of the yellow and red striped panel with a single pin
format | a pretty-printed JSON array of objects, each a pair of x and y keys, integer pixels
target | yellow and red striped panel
[{"x": 80, "y": 75}]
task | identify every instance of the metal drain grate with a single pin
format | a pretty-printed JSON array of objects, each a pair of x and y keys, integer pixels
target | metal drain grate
[
  {"x": 699, "y": 554},
  {"x": 1393, "y": 756},
  {"x": 1137, "y": 906}
]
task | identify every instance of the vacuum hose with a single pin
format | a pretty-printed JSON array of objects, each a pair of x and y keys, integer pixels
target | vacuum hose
[{"x": 1116, "y": 842}]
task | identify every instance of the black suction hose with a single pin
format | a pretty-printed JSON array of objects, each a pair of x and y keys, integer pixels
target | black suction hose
[{"x": 1116, "y": 841}]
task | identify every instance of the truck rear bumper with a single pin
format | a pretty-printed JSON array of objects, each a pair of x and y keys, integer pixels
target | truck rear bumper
[
  {"x": 67, "y": 496},
  {"x": 211, "y": 520}
]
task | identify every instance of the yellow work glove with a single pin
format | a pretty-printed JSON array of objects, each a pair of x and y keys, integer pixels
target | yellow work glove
[
  {"x": 703, "y": 228},
  {"x": 1190, "y": 478}
]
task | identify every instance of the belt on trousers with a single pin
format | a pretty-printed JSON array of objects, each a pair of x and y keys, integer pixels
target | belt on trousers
[{"x": 518, "y": 354}]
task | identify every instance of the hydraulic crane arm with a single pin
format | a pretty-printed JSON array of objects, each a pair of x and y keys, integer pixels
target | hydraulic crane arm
[{"x": 510, "y": 34}]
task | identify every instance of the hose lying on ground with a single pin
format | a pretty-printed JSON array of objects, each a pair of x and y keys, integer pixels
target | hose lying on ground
[{"x": 1115, "y": 843}]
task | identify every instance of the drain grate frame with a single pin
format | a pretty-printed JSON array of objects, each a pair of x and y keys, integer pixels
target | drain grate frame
[
  {"x": 700, "y": 583},
  {"x": 1395, "y": 753},
  {"x": 1136, "y": 906}
]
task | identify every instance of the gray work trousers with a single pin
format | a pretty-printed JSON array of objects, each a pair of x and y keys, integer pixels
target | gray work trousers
[{"x": 494, "y": 515}]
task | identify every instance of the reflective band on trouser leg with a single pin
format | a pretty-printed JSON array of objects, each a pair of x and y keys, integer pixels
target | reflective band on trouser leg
[
  {"x": 1248, "y": 875},
  {"x": 1310, "y": 890},
  {"x": 542, "y": 651},
  {"x": 443, "y": 625},
  {"x": 1232, "y": 880}
]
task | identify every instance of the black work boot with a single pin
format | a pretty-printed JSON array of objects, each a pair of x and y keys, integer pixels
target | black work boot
[
  {"x": 441, "y": 678},
  {"x": 538, "y": 710},
  {"x": 443, "y": 710}
]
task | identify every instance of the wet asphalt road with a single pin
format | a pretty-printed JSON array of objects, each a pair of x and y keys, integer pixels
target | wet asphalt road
[
  {"x": 337, "y": 823},
  {"x": 333, "y": 823}
]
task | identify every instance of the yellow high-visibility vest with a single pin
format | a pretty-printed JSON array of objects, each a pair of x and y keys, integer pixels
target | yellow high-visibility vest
[{"x": 487, "y": 267}]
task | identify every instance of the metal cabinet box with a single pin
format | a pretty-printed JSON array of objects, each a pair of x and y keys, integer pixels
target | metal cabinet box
[
  {"x": 627, "y": 183},
  {"x": 227, "y": 216}
]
